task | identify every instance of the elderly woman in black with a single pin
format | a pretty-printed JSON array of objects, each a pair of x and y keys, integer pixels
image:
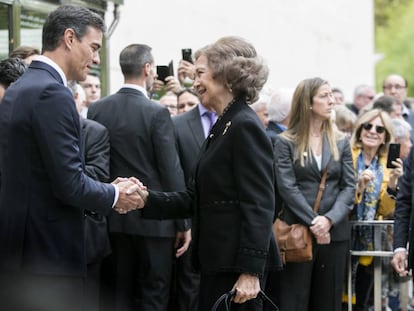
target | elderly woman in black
[{"x": 232, "y": 197}]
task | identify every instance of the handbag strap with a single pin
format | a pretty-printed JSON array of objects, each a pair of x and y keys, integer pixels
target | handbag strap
[
  {"x": 227, "y": 297},
  {"x": 321, "y": 188}
]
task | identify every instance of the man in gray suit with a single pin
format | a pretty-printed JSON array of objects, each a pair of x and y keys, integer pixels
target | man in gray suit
[{"x": 142, "y": 144}]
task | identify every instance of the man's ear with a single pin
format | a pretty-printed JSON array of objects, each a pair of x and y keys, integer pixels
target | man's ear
[
  {"x": 147, "y": 69},
  {"x": 69, "y": 37}
]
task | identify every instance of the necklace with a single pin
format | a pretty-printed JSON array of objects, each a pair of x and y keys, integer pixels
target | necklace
[
  {"x": 225, "y": 110},
  {"x": 315, "y": 135}
]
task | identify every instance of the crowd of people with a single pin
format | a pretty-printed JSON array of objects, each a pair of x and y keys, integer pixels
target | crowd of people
[{"x": 162, "y": 196}]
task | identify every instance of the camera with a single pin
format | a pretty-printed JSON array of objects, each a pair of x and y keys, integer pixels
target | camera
[
  {"x": 165, "y": 71},
  {"x": 187, "y": 55}
]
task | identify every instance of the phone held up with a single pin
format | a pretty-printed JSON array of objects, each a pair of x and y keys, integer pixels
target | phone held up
[
  {"x": 393, "y": 154},
  {"x": 165, "y": 71},
  {"x": 187, "y": 55}
]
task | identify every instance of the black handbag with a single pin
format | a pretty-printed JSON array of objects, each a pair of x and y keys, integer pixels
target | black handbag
[
  {"x": 227, "y": 297},
  {"x": 97, "y": 242}
]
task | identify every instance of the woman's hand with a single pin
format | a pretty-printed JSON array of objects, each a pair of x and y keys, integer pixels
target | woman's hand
[
  {"x": 364, "y": 179},
  {"x": 320, "y": 225},
  {"x": 247, "y": 287},
  {"x": 395, "y": 173}
]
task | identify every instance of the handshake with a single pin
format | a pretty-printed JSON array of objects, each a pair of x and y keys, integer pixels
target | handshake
[{"x": 132, "y": 194}]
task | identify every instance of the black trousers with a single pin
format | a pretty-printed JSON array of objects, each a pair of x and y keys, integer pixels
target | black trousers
[
  {"x": 137, "y": 275},
  {"x": 315, "y": 285},
  {"x": 186, "y": 284}
]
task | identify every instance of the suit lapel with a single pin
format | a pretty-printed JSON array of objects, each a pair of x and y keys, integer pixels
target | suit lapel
[
  {"x": 326, "y": 152},
  {"x": 196, "y": 127}
]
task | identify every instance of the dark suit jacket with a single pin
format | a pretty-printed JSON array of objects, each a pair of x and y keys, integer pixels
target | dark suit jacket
[
  {"x": 142, "y": 145},
  {"x": 95, "y": 149},
  {"x": 403, "y": 215},
  {"x": 189, "y": 137},
  {"x": 44, "y": 189},
  {"x": 298, "y": 186},
  {"x": 272, "y": 131},
  {"x": 232, "y": 200},
  {"x": 95, "y": 153}
]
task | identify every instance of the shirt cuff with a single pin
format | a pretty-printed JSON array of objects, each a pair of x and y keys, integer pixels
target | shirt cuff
[
  {"x": 399, "y": 249},
  {"x": 116, "y": 195}
]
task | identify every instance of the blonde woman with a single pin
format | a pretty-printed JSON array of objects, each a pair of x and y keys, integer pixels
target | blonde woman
[
  {"x": 310, "y": 144},
  {"x": 375, "y": 193}
]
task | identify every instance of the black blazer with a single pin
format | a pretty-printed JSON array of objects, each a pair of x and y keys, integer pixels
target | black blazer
[
  {"x": 232, "y": 198},
  {"x": 298, "y": 186},
  {"x": 44, "y": 190},
  {"x": 142, "y": 145},
  {"x": 403, "y": 215}
]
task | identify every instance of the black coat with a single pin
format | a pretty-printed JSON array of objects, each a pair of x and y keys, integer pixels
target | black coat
[{"x": 232, "y": 198}]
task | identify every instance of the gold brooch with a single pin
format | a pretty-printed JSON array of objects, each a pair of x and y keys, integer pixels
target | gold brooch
[{"x": 227, "y": 127}]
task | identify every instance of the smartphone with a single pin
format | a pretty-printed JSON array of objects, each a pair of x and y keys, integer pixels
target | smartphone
[
  {"x": 187, "y": 55},
  {"x": 171, "y": 69},
  {"x": 165, "y": 71},
  {"x": 162, "y": 72},
  {"x": 393, "y": 154}
]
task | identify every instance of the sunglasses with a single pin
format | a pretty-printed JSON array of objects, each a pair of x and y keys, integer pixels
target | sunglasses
[{"x": 378, "y": 128}]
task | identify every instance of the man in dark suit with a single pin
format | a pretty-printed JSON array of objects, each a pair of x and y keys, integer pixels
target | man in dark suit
[
  {"x": 142, "y": 145},
  {"x": 94, "y": 146},
  {"x": 44, "y": 189},
  {"x": 191, "y": 129},
  {"x": 404, "y": 220}
]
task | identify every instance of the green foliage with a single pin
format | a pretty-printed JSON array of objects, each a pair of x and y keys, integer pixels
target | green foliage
[{"x": 393, "y": 36}]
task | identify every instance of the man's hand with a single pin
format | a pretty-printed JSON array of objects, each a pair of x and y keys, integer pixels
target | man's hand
[
  {"x": 399, "y": 263},
  {"x": 182, "y": 242},
  {"x": 129, "y": 198}
]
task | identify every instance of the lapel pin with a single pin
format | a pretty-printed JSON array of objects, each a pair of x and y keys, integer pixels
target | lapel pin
[{"x": 227, "y": 127}]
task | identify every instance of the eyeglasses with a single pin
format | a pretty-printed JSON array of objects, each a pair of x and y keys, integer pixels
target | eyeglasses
[
  {"x": 396, "y": 86},
  {"x": 378, "y": 128},
  {"x": 370, "y": 97}
]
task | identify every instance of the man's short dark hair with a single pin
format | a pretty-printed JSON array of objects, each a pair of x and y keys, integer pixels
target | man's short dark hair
[
  {"x": 68, "y": 16},
  {"x": 10, "y": 70},
  {"x": 133, "y": 59}
]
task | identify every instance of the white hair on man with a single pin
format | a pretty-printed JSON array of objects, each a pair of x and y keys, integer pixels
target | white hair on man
[
  {"x": 79, "y": 96},
  {"x": 280, "y": 104},
  {"x": 400, "y": 128},
  {"x": 260, "y": 107}
]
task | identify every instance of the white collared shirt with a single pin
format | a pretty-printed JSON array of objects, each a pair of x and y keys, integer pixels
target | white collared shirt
[
  {"x": 137, "y": 87},
  {"x": 47, "y": 60}
]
